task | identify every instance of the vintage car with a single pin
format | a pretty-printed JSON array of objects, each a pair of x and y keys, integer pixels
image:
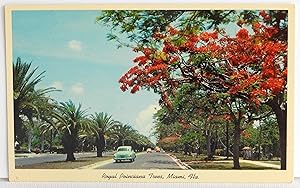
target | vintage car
[
  {"x": 157, "y": 149},
  {"x": 124, "y": 153},
  {"x": 149, "y": 150}
]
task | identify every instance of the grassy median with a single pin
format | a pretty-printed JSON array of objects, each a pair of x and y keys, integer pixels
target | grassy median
[{"x": 80, "y": 162}]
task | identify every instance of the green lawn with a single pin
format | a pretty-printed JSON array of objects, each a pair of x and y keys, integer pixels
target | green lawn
[
  {"x": 189, "y": 158},
  {"x": 218, "y": 163},
  {"x": 66, "y": 165},
  {"x": 225, "y": 166},
  {"x": 272, "y": 162}
]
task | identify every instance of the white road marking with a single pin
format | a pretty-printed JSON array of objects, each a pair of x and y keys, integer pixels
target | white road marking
[{"x": 178, "y": 163}]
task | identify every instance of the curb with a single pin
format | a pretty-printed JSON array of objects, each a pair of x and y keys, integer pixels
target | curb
[{"x": 181, "y": 164}]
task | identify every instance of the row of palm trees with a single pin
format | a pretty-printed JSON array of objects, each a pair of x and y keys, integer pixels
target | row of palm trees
[{"x": 69, "y": 122}]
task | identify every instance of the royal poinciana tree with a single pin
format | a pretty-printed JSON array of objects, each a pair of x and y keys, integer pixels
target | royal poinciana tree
[{"x": 250, "y": 66}]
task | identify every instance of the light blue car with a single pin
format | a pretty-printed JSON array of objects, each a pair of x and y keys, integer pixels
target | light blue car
[{"x": 124, "y": 153}]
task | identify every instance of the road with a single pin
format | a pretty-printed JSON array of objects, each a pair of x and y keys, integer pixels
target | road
[
  {"x": 43, "y": 158},
  {"x": 145, "y": 161}
]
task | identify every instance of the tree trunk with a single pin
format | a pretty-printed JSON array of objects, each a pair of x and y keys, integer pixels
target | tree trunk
[
  {"x": 100, "y": 144},
  {"x": 186, "y": 149},
  {"x": 236, "y": 145},
  {"x": 208, "y": 146},
  {"x": 227, "y": 140},
  {"x": 70, "y": 156},
  {"x": 99, "y": 151},
  {"x": 42, "y": 143},
  {"x": 281, "y": 115},
  {"x": 70, "y": 143},
  {"x": 29, "y": 140},
  {"x": 259, "y": 141},
  {"x": 51, "y": 141},
  {"x": 214, "y": 143},
  {"x": 199, "y": 147},
  {"x": 282, "y": 138}
]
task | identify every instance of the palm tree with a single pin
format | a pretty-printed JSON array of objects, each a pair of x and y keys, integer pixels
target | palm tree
[
  {"x": 122, "y": 134},
  {"x": 26, "y": 97},
  {"x": 71, "y": 120},
  {"x": 103, "y": 123}
]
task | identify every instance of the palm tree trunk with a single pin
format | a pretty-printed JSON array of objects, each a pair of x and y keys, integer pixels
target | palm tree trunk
[
  {"x": 70, "y": 156},
  {"x": 70, "y": 143},
  {"x": 51, "y": 141},
  {"x": 29, "y": 140},
  {"x": 42, "y": 143},
  {"x": 100, "y": 144}
]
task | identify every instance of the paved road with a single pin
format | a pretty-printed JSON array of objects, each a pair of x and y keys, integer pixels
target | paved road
[
  {"x": 145, "y": 161},
  {"x": 43, "y": 158}
]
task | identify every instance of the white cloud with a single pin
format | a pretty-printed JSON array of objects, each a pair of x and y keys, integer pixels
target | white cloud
[
  {"x": 144, "y": 120},
  {"x": 58, "y": 85},
  {"x": 75, "y": 45},
  {"x": 77, "y": 89}
]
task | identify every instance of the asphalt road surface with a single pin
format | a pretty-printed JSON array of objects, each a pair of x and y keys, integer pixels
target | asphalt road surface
[{"x": 145, "y": 161}]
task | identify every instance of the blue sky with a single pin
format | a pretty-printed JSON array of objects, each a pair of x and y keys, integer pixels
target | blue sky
[{"x": 79, "y": 60}]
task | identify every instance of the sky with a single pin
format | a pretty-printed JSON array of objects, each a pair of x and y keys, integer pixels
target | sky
[{"x": 78, "y": 60}]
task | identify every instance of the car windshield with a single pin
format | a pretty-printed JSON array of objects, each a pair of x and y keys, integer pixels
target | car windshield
[{"x": 123, "y": 149}]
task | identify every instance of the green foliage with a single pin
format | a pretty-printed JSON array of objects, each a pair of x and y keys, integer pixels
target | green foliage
[
  {"x": 139, "y": 25},
  {"x": 29, "y": 102}
]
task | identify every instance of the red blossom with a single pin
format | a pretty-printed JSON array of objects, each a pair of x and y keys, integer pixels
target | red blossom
[
  {"x": 256, "y": 26},
  {"x": 172, "y": 30},
  {"x": 135, "y": 88},
  {"x": 169, "y": 47},
  {"x": 253, "y": 63},
  {"x": 265, "y": 16},
  {"x": 141, "y": 60},
  {"x": 206, "y": 36},
  {"x": 147, "y": 51},
  {"x": 173, "y": 60},
  {"x": 245, "y": 134},
  {"x": 123, "y": 87},
  {"x": 158, "y": 35},
  {"x": 227, "y": 117},
  {"x": 243, "y": 34},
  {"x": 169, "y": 139}
]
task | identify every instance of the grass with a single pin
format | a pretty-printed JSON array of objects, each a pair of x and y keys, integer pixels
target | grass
[
  {"x": 218, "y": 163},
  {"x": 226, "y": 166},
  {"x": 189, "y": 158},
  {"x": 80, "y": 162},
  {"x": 272, "y": 162}
]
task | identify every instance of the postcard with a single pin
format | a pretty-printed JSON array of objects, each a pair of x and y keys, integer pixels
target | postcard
[{"x": 150, "y": 92}]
